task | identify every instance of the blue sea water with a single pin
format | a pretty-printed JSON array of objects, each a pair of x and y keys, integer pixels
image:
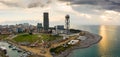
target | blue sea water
[
  {"x": 109, "y": 46},
  {"x": 10, "y": 52}
]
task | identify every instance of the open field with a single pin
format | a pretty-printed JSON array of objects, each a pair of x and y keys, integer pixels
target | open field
[
  {"x": 48, "y": 37},
  {"x": 3, "y": 36},
  {"x": 35, "y": 37},
  {"x": 26, "y": 38}
]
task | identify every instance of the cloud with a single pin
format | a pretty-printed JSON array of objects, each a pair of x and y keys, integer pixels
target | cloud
[
  {"x": 26, "y": 3},
  {"x": 104, "y": 4},
  {"x": 80, "y": 11}
]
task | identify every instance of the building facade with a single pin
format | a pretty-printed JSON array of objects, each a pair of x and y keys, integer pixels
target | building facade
[
  {"x": 59, "y": 29},
  {"x": 46, "y": 21},
  {"x": 39, "y": 27}
]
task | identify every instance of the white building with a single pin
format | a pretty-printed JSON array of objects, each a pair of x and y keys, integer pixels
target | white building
[
  {"x": 65, "y": 37},
  {"x": 54, "y": 32},
  {"x": 3, "y": 48},
  {"x": 73, "y": 42},
  {"x": 82, "y": 38}
]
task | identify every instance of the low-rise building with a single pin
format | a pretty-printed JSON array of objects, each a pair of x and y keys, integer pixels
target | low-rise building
[
  {"x": 82, "y": 38},
  {"x": 73, "y": 42},
  {"x": 39, "y": 27},
  {"x": 59, "y": 29}
]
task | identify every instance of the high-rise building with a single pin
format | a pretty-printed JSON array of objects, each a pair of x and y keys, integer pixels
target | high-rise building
[{"x": 46, "y": 21}]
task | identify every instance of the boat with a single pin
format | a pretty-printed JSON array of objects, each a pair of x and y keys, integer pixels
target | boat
[
  {"x": 24, "y": 54},
  {"x": 10, "y": 46},
  {"x": 14, "y": 48},
  {"x": 19, "y": 50},
  {"x": 4, "y": 49}
]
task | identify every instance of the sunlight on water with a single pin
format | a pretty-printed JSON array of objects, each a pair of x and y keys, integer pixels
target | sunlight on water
[
  {"x": 107, "y": 41},
  {"x": 104, "y": 42}
]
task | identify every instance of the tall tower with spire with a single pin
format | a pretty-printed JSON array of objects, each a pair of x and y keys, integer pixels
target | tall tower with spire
[{"x": 67, "y": 24}]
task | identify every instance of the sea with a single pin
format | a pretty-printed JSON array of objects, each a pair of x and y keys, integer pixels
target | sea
[{"x": 109, "y": 46}]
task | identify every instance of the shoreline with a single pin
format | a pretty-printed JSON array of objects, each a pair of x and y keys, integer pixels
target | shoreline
[
  {"x": 91, "y": 40},
  {"x": 29, "y": 53}
]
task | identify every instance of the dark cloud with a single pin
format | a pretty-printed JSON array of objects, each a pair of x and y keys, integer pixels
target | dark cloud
[
  {"x": 39, "y": 4},
  {"x": 85, "y": 2},
  {"x": 9, "y": 3},
  {"x": 92, "y": 2},
  {"x": 113, "y": 2},
  {"x": 27, "y": 3},
  {"x": 105, "y": 4}
]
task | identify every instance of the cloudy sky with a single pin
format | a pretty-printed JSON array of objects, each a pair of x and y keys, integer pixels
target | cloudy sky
[{"x": 82, "y": 12}]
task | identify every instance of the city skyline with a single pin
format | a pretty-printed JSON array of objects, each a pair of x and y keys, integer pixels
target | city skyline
[
  {"x": 59, "y": 28},
  {"x": 83, "y": 13}
]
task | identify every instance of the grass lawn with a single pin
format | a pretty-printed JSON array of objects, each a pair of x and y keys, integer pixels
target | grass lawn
[
  {"x": 35, "y": 37},
  {"x": 26, "y": 38},
  {"x": 48, "y": 37},
  {"x": 3, "y": 36},
  {"x": 59, "y": 49}
]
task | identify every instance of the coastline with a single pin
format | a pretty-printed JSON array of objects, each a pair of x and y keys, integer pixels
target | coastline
[
  {"x": 30, "y": 54},
  {"x": 91, "y": 40}
]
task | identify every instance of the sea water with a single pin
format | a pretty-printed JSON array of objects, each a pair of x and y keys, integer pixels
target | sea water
[{"x": 109, "y": 46}]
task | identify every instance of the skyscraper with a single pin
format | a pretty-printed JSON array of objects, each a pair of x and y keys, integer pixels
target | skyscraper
[{"x": 46, "y": 21}]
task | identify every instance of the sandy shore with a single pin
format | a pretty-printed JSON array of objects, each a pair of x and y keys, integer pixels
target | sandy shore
[{"x": 91, "y": 40}]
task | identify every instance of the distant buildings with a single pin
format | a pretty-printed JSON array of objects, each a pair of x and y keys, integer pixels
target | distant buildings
[
  {"x": 27, "y": 28},
  {"x": 0, "y": 26},
  {"x": 59, "y": 29},
  {"x": 19, "y": 30},
  {"x": 39, "y": 27},
  {"x": 4, "y": 30},
  {"x": 46, "y": 21},
  {"x": 26, "y": 25}
]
